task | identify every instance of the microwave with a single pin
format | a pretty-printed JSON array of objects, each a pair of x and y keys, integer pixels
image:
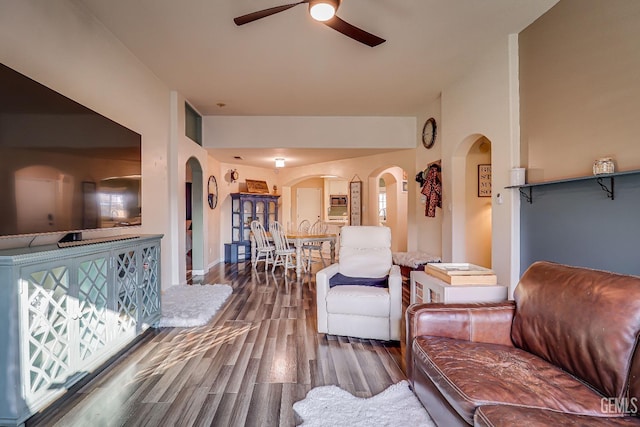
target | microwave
[{"x": 338, "y": 200}]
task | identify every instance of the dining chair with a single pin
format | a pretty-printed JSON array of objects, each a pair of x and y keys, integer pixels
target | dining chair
[
  {"x": 284, "y": 255},
  {"x": 303, "y": 227},
  {"x": 264, "y": 249},
  {"x": 319, "y": 227}
]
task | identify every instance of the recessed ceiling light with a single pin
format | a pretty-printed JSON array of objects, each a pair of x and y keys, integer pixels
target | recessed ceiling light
[{"x": 238, "y": 157}]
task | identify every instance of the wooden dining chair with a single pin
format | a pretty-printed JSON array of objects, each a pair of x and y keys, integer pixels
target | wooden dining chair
[
  {"x": 284, "y": 254},
  {"x": 264, "y": 249},
  {"x": 319, "y": 227}
]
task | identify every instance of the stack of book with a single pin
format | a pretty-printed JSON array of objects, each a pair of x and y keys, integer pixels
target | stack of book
[{"x": 461, "y": 273}]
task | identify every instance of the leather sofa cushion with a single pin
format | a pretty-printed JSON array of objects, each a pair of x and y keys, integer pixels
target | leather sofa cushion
[
  {"x": 358, "y": 300},
  {"x": 584, "y": 321},
  {"x": 341, "y": 280},
  {"x": 469, "y": 374},
  {"x": 509, "y": 416}
]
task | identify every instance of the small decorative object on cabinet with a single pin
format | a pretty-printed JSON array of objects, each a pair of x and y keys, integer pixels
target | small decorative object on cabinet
[
  {"x": 246, "y": 207},
  {"x": 66, "y": 311}
]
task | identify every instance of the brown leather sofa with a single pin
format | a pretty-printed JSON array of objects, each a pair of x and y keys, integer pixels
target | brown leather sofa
[{"x": 565, "y": 352}]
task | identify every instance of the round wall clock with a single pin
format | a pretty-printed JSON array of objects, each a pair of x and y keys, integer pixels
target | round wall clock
[
  {"x": 212, "y": 190},
  {"x": 429, "y": 132}
]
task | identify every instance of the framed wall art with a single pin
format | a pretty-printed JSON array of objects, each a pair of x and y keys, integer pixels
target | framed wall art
[
  {"x": 484, "y": 180},
  {"x": 355, "y": 197}
]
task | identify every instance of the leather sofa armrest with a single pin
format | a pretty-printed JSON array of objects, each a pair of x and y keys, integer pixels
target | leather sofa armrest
[{"x": 477, "y": 322}]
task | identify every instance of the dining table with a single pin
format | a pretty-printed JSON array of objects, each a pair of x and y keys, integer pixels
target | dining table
[{"x": 298, "y": 240}]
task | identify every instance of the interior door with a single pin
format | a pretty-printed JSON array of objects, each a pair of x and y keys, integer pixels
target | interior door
[
  {"x": 308, "y": 204},
  {"x": 34, "y": 196}
]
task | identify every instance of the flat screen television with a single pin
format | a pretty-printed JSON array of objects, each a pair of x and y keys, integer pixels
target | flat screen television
[{"x": 63, "y": 167}]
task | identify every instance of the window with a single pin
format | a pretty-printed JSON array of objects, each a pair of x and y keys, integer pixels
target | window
[
  {"x": 112, "y": 205},
  {"x": 382, "y": 205},
  {"x": 192, "y": 124}
]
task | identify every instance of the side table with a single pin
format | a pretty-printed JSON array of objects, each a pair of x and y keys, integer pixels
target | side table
[{"x": 426, "y": 288}]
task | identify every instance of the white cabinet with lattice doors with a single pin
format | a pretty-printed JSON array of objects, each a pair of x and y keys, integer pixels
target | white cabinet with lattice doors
[{"x": 68, "y": 311}]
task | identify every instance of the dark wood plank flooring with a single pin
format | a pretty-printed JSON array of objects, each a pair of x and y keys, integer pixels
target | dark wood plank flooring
[{"x": 246, "y": 367}]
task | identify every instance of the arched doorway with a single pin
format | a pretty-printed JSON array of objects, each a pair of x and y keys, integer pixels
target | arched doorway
[
  {"x": 478, "y": 203},
  {"x": 194, "y": 218},
  {"x": 471, "y": 208},
  {"x": 388, "y": 203}
]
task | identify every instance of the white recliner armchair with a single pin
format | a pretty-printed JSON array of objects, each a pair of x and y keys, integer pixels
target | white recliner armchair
[{"x": 351, "y": 299}]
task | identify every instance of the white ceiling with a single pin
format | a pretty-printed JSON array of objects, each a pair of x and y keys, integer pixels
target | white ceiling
[{"x": 288, "y": 64}]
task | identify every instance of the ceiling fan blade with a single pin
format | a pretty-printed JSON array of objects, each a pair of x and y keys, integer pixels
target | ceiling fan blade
[
  {"x": 354, "y": 32},
  {"x": 250, "y": 17}
]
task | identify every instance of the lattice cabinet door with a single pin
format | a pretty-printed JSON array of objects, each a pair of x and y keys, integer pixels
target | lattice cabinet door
[
  {"x": 46, "y": 311},
  {"x": 150, "y": 285},
  {"x": 93, "y": 313},
  {"x": 125, "y": 302}
]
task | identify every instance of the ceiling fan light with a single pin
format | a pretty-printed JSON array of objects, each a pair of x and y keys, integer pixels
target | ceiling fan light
[{"x": 322, "y": 10}]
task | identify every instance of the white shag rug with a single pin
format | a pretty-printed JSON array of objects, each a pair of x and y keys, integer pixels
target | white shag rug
[
  {"x": 192, "y": 305},
  {"x": 333, "y": 406}
]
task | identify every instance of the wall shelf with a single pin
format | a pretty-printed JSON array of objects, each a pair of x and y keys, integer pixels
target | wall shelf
[{"x": 605, "y": 181}]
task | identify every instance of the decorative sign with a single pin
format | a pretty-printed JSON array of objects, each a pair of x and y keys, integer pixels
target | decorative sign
[
  {"x": 254, "y": 186},
  {"x": 484, "y": 180},
  {"x": 355, "y": 196}
]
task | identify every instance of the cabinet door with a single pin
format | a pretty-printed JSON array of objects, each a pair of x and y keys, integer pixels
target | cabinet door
[
  {"x": 261, "y": 212},
  {"x": 125, "y": 298},
  {"x": 249, "y": 212},
  {"x": 150, "y": 285},
  {"x": 46, "y": 309},
  {"x": 237, "y": 218},
  {"x": 273, "y": 211},
  {"x": 92, "y": 312}
]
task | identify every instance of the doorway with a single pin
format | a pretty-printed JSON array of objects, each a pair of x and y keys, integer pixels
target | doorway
[
  {"x": 478, "y": 203},
  {"x": 194, "y": 227},
  {"x": 308, "y": 204}
]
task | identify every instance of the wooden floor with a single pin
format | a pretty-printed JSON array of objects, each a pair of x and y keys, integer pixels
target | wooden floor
[{"x": 246, "y": 367}]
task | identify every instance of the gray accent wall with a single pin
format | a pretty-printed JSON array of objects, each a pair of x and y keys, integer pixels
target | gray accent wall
[{"x": 575, "y": 223}]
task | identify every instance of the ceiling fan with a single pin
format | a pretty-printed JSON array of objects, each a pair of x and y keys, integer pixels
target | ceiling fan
[{"x": 320, "y": 10}]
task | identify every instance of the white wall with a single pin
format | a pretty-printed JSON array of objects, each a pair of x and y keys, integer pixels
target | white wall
[
  {"x": 425, "y": 233},
  {"x": 481, "y": 104},
  {"x": 309, "y": 132},
  {"x": 61, "y": 46}
]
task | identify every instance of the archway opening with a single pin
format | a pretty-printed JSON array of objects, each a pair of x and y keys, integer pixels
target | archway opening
[{"x": 194, "y": 218}]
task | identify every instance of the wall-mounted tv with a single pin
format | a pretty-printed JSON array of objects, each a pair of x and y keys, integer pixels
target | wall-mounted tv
[{"x": 63, "y": 167}]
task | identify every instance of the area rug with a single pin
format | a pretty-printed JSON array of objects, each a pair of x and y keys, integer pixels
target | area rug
[
  {"x": 332, "y": 406},
  {"x": 192, "y": 305}
]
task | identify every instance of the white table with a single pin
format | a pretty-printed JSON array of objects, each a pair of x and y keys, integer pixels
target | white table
[
  {"x": 426, "y": 288},
  {"x": 300, "y": 239}
]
